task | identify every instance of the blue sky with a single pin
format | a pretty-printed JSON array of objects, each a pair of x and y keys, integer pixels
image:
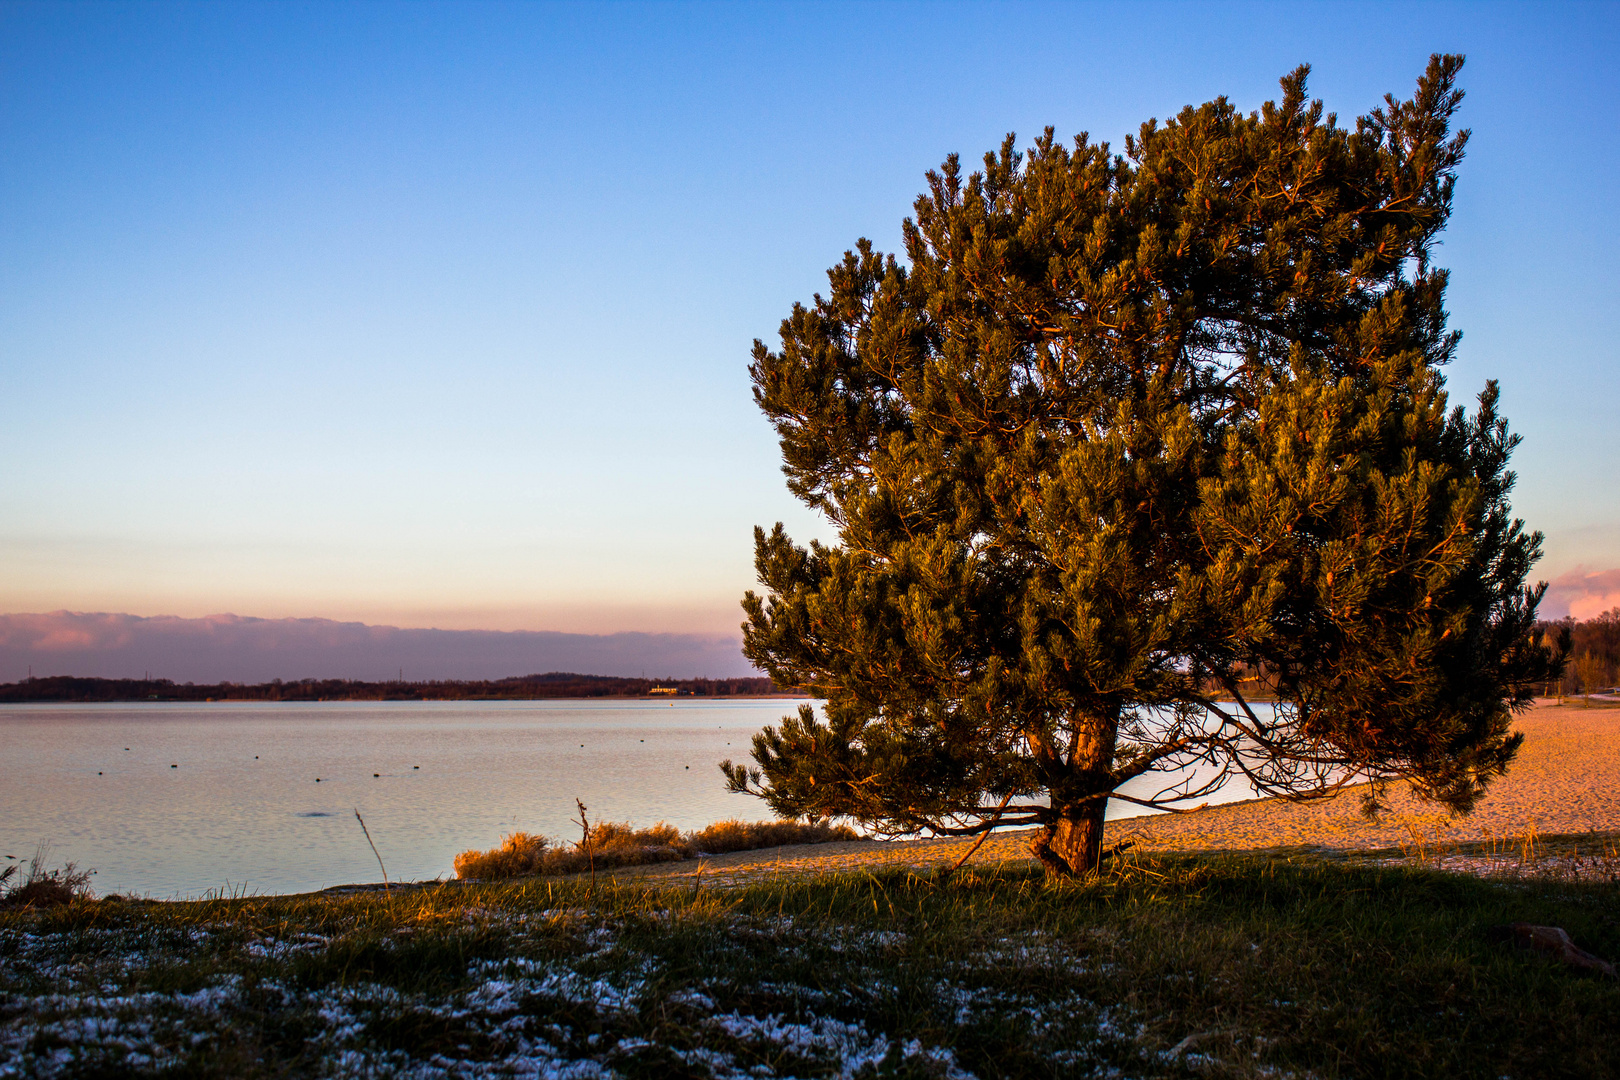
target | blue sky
[{"x": 439, "y": 315}]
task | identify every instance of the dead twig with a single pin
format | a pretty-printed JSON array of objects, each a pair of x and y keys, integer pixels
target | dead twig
[
  {"x": 386, "y": 887},
  {"x": 584, "y": 824},
  {"x": 984, "y": 835}
]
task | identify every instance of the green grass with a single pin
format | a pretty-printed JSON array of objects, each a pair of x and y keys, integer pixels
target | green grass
[{"x": 1186, "y": 967}]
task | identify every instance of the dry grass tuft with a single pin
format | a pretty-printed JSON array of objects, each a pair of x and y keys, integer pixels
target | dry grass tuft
[
  {"x": 1527, "y": 854},
  {"x": 616, "y": 844},
  {"x": 42, "y": 888}
]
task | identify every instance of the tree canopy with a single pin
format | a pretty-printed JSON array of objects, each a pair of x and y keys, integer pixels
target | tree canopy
[{"x": 1140, "y": 462}]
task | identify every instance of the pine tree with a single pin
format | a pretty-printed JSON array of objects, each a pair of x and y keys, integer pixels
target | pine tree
[{"x": 1124, "y": 438}]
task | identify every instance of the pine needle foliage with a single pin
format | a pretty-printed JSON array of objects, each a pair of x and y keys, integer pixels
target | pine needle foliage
[{"x": 1123, "y": 438}]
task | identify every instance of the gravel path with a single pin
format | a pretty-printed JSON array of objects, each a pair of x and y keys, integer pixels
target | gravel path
[{"x": 1566, "y": 780}]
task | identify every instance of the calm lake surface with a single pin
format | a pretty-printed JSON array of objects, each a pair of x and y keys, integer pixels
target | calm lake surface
[
  {"x": 212, "y": 796},
  {"x": 177, "y": 800}
]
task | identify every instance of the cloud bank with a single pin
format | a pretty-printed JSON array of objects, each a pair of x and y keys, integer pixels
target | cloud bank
[
  {"x": 1582, "y": 592},
  {"x": 236, "y": 649}
]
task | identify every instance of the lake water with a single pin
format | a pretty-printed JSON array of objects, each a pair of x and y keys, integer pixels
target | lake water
[
  {"x": 225, "y": 795},
  {"x": 176, "y": 800}
]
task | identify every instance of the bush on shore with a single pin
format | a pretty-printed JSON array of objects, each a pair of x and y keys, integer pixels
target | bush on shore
[{"x": 616, "y": 844}]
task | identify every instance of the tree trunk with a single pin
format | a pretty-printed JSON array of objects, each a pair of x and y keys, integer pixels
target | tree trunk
[{"x": 1073, "y": 843}]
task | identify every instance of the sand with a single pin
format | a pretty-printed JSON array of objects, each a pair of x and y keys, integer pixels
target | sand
[{"x": 1566, "y": 780}]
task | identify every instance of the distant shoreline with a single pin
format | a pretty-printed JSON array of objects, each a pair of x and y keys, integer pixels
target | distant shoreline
[{"x": 552, "y": 686}]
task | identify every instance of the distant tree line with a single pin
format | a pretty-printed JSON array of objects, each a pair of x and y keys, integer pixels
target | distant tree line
[
  {"x": 1594, "y": 652},
  {"x": 555, "y": 684}
]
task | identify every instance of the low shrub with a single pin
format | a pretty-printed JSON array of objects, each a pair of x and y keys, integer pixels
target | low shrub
[
  {"x": 615, "y": 844},
  {"x": 724, "y": 836},
  {"x": 518, "y": 856}
]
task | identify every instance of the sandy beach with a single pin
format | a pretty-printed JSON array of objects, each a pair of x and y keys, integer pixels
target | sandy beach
[{"x": 1566, "y": 780}]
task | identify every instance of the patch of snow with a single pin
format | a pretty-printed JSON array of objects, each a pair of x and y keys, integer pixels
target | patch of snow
[
  {"x": 847, "y": 1047},
  {"x": 695, "y": 999}
]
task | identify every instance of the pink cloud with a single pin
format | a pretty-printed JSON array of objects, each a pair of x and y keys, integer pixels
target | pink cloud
[
  {"x": 1582, "y": 593},
  {"x": 244, "y": 649},
  {"x": 63, "y": 630},
  {"x": 66, "y": 638}
]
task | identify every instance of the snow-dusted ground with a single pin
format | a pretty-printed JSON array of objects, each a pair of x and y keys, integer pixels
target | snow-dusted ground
[{"x": 69, "y": 1007}]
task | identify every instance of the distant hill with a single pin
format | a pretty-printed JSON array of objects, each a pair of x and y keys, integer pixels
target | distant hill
[{"x": 554, "y": 684}]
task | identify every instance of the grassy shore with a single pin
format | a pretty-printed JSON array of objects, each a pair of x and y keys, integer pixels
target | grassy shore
[{"x": 1172, "y": 966}]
